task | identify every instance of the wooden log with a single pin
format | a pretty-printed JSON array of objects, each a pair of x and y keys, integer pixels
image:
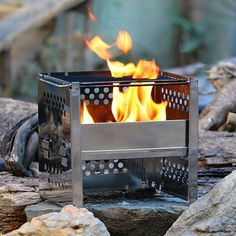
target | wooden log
[
  {"x": 12, "y": 112},
  {"x": 215, "y": 114},
  {"x": 33, "y": 15},
  {"x": 222, "y": 73},
  {"x": 21, "y": 35}
]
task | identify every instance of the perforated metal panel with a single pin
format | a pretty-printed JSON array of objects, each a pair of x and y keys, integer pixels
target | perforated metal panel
[
  {"x": 54, "y": 103},
  {"x": 105, "y": 167},
  {"x": 174, "y": 175},
  {"x": 144, "y": 166},
  {"x": 176, "y": 100}
]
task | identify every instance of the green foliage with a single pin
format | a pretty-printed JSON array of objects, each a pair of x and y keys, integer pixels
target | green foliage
[{"x": 192, "y": 35}]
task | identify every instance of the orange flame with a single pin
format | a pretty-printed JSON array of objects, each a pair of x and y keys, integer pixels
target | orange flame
[
  {"x": 118, "y": 69},
  {"x": 136, "y": 103},
  {"x": 92, "y": 17},
  {"x": 98, "y": 46},
  {"x": 124, "y": 42},
  {"x": 146, "y": 69},
  {"x": 85, "y": 118}
]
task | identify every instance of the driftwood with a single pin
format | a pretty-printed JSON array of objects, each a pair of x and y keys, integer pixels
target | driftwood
[
  {"x": 34, "y": 14},
  {"x": 12, "y": 128},
  {"x": 215, "y": 114},
  {"x": 222, "y": 73},
  {"x": 22, "y": 33}
]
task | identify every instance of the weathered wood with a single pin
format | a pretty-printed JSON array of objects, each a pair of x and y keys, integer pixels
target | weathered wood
[
  {"x": 33, "y": 15},
  {"x": 21, "y": 35},
  {"x": 222, "y": 73},
  {"x": 215, "y": 114},
  {"x": 7, "y": 8},
  {"x": 217, "y": 149},
  {"x": 11, "y": 112}
]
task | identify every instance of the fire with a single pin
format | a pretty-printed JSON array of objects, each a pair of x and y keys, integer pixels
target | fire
[
  {"x": 136, "y": 103},
  {"x": 98, "y": 46},
  {"x": 146, "y": 69},
  {"x": 124, "y": 42},
  {"x": 118, "y": 69},
  {"x": 85, "y": 118}
]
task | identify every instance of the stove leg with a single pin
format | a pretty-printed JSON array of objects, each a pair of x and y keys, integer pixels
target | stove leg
[
  {"x": 193, "y": 142},
  {"x": 76, "y": 157}
]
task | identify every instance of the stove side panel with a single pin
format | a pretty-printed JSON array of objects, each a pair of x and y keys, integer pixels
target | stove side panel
[{"x": 54, "y": 141}]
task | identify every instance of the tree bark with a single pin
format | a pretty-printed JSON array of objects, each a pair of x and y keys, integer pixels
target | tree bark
[{"x": 215, "y": 114}]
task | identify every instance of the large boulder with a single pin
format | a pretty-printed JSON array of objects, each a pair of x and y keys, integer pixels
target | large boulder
[
  {"x": 69, "y": 221},
  {"x": 212, "y": 214}
]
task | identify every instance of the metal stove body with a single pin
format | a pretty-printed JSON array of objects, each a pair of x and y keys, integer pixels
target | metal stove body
[{"x": 116, "y": 155}]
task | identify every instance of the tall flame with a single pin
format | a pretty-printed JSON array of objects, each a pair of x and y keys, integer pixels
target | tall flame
[{"x": 136, "y": 103}]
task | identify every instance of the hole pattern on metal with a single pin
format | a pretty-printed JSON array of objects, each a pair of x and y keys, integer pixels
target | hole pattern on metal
[
  {"x": 103, "y": 167},
  {"x": 174, "y": 171},
  {"x": 97, "y": 96},
  {"x": 54, "y": 103},
  {"x": 176, "y": 100}
]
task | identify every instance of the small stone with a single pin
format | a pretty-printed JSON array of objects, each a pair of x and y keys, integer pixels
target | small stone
[{"x": 39, "y": 209}]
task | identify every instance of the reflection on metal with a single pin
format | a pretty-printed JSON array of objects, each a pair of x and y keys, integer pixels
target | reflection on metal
[{"x": 116, "y": 156}]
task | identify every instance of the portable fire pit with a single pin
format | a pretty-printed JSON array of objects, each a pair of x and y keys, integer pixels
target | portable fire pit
[{"x": 84, "y": 148}]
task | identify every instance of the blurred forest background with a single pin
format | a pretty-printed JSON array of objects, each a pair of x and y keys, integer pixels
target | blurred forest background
[{"x": 173, "y": 32}]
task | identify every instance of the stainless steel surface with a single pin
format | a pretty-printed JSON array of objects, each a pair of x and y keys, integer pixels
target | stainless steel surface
[
  {"x": 112, "y": 156},
  {"x": 77, "y": 176},
  {"x": 174, "y": 176},
  {"x": 54, "y": 136},
  {"x": 134, "y": 139},
  {"x": 193, "y": 142},
  {"x": 133, "y": 153}
]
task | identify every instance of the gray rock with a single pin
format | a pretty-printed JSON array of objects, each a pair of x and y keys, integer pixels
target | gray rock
[
  {"x": 139, "y": 217},
  {"x": 212, "y": 214},
  {"x": 70, "y": 221},
  {"x": 128, "y": 217},
  {"x": 39, "y": 209}
]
